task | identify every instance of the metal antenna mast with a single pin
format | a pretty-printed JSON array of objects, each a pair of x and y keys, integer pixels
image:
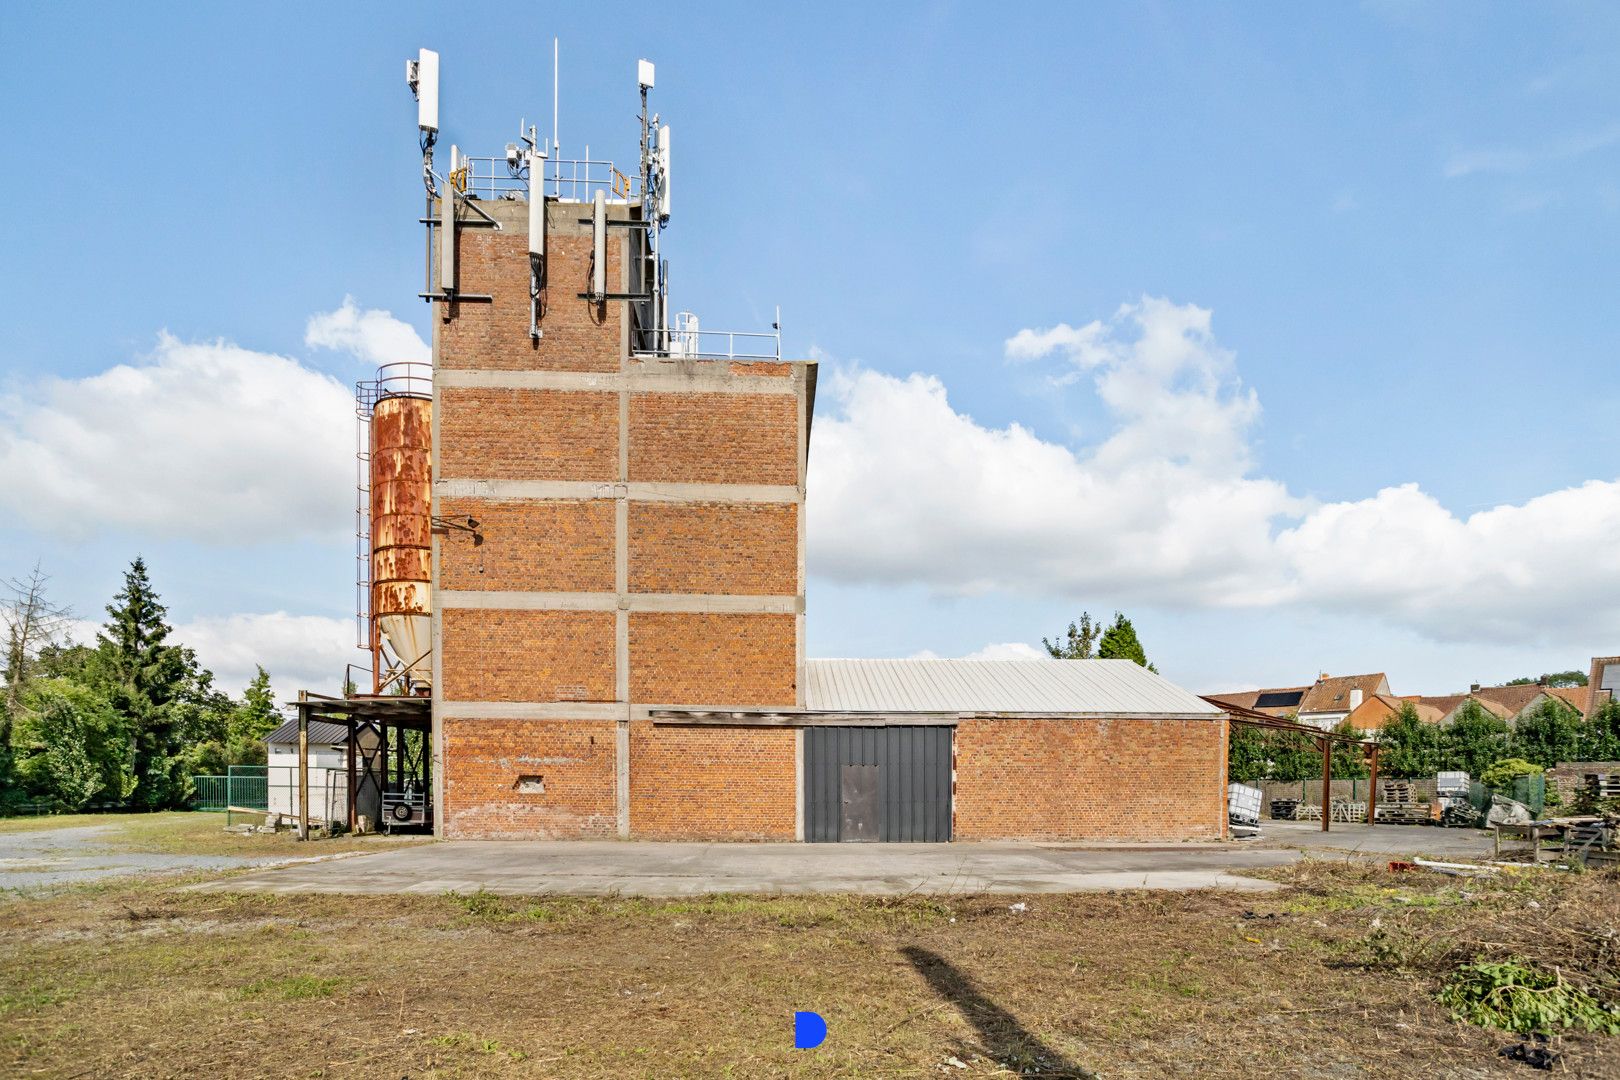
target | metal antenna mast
[{"x": 649, "y": 209}]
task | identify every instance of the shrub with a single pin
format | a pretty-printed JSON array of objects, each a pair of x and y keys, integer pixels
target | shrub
[
  {"x": 1501, "y": 774},
  {"x": 1515, "y": 996}
]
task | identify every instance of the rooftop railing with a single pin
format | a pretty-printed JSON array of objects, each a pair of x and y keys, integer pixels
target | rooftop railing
[
  {"x": 408, "y": 378},
  {"x": 567, "y": 179},
  {"x": 686, "y": 340}
]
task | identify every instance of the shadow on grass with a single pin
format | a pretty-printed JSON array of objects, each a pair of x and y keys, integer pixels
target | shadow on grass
[{"x": 1001, "y": 1036}]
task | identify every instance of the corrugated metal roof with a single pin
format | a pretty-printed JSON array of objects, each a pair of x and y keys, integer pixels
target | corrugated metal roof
[
  {"x": 1036, "y": 687},
  {"x": 321, "y": 733}
]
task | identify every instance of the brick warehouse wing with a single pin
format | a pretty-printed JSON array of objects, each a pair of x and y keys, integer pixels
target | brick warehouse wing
[
  {"x": 1037, "y": 750},
  {"x": 618, "y": 576},
  {"x": 932, "y": 750}
]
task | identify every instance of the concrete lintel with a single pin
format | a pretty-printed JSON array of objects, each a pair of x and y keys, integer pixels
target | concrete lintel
[
  {"x": 606, "y": 601},
  {"x": 1089, "y": 716},
  {"x": 675, "y": 715},
  {"x": 637, "y": 382},
  {"x": 532, "y": 710},
  {"x": 474, "y": 488},
  {"x": 527, "y": 601},
  {"x": 710, "y": 603}
]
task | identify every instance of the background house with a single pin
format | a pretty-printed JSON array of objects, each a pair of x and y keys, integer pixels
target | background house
[{"x": 1333, "y": 698}]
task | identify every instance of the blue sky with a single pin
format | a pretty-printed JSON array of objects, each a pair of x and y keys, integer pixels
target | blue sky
[{"x": 1401, "y": 222}]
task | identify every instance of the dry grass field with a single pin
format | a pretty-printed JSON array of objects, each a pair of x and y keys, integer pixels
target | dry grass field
[{"x": 1333, "y": 976}]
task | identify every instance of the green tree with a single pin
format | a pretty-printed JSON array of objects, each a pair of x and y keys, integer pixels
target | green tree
[
  {"x": 201, "y": 716},
  {"x": 74, "y": 746},
  {"x": 31, "y": 623},
  {"x": 1080, "y": 643},
  {"x": 66, "y": 660},
  {"x": 1547, "y": 734},
  {"x": 1552, "y": 678},
  {"x": 1600, "y": 734},
  {"x": 1407, "y": 746},
  {"x": 1119, "y": 642},
  {"x": 147, "y": 680},
  {"x": 252, "y": 720},
  {"x": 1474, "y": 740},
  {"x": 1349, "y": 759},
  {"x": 1248, "y": 756}
]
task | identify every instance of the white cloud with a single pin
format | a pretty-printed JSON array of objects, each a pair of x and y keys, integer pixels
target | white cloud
[
  {"x": 1009, "y": 650},
  {"x": 1166, "y": 510},
  {"x": 908, "y": 489},
  {"x": 1006, "y": 650},
  {"x": 202, "y": 440},
  {"x": 371, "y": 336},
  {"x": 1515, "y": 159},
  {"x": 301, "y": 652}
]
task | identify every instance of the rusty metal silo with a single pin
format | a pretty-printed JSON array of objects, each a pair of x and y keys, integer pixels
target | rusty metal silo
[{"x": 400, "y": 526}]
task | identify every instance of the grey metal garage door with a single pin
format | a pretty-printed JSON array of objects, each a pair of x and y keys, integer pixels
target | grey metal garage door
[{"x": 877, "y": 783}]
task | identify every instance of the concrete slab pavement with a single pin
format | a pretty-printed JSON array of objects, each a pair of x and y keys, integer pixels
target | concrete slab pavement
[
  {"x": 1394, "y": 841},
  {"x": 629, "y": 868}
]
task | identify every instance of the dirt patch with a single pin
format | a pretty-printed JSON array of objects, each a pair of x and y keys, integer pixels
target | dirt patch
[
  {"x": 147, "y": 979},
  {"x": 71, "y": 850}
]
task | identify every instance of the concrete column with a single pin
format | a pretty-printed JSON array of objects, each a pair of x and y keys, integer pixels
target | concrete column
[{"x": 622, "y": 753}]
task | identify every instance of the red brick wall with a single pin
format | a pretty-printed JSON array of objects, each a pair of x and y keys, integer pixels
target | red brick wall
[
  {"x": 501, "y": 655},
  {"x": 712, "y": 659},
  {"x": 1144, "y": 780},
  {"x": 528, "y": 434},
  {"x": 714, "y": 438},
  {"x": 529, "y": 544},
  {"x": 738, "y": 549},
  {"x": 704, "y": 783},
  {"x": 485, "y": 760},
  {"x": 576, "y": 334}
]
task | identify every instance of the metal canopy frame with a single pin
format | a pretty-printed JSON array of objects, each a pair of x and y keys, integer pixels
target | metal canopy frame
[
  {"x": 1324, "y": 741},
  {"x": 368, "y": 758}
]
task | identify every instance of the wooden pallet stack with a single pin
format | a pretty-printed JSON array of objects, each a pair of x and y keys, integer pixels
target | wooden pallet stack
[
  {"x": 1603, "y": 785},
  {"x": 1284, "y": 809},
  {"x": 1398, "y": 805},
  {"x": 1349, "y": 812}
]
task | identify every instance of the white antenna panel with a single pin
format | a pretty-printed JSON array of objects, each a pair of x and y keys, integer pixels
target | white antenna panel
[
  {"x": 447, "y": 239},
  {"x": 663, "y": 170},
  {"x": 599, "y": 246},
  {"x": 644, "y": 74},
  {"x": 537, "y": 203},
  {"x": 427, "y": 90}
]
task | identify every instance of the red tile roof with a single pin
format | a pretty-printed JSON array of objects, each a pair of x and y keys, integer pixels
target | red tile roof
[{"x": 1333, "y": 694}]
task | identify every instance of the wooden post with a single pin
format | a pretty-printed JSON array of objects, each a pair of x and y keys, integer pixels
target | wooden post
[
  {"x": 1327, "y": 781},
  {"x": 353, "y": 824},
  {"x": 303, "y": 767},
  {"x": 1372, "y": 788}
]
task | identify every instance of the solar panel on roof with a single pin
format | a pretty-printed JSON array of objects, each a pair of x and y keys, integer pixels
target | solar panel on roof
[{"x": 1282, "y": 699}]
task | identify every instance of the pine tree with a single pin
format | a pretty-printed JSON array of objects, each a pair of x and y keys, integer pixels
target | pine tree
[
  {"x": 252, "y": 720},
  {"x": 1119, "y": 642},
  {"x": 1080, "y": 642},
  {"x": 145, "y": 678}
]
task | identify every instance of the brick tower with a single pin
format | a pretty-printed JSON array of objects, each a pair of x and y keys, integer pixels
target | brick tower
[{"x": 620, "y": 528}]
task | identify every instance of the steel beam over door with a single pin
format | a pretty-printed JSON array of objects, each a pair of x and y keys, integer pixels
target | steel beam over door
[{"x": 913, "y": 778}]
